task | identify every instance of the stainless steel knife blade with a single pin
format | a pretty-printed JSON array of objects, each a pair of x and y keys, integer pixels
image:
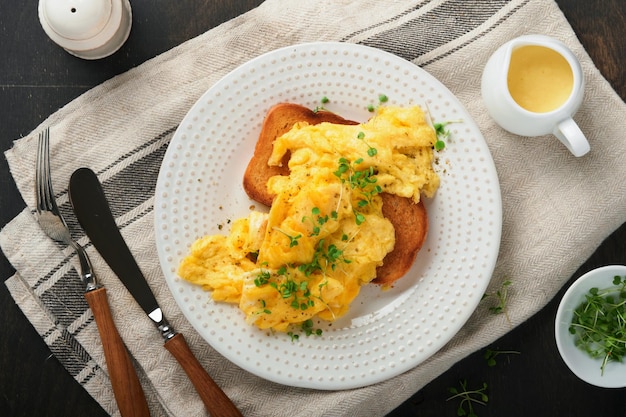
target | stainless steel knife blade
[{"x": 94, "y": 214}]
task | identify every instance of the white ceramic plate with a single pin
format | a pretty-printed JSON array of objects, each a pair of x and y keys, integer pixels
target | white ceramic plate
[
  {"x": 580, "y": 363},
  {"x": 385, "y": 333}
]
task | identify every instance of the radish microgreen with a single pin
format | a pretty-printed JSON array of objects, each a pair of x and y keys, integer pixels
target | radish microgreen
[
  {"x": 468, "y": 397},
  {"x": 362, "y": 180},
  {"x": 443, "y": 134},
  {"x": 382, "y": 98},
  {"x": 323, "y": 101},
  {"x": 501, "y": 297},
  {"x": 599, "y": 323},
  {"x": 293, "y": 240},
  {"x": 490, "y": 355}
]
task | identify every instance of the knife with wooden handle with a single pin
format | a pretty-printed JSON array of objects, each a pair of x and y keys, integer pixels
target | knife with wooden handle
[
  {"x": 94, "y": 214},
  {"x": 127, "y": 389}
]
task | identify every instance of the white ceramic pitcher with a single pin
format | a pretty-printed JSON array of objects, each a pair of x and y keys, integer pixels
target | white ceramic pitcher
[{"x": 520, "y": 85}]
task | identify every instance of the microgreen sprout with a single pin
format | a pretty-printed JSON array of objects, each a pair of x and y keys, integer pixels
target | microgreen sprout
[
  {"x": 490, "y": 355},
  {"x": 323, "y": 257},
  {"x": 365, "y": 181},
  {"x": 264, "y": 308},
  {"x": 299, "y": 292},
  {"x": 318, "y": 221},
  {"x": 599, "y": 323},
  {"x": 288, "y": 288},
  {"x": 359, "y": 218},
  {"x": 382, "y": 98},
  {"x": 262, "y": 278},
  {"x": 323, "y": 101},
  {"x": 307, "y": 328},
  {"x": 370, "y": 150},
  {"x": 362, "y": 180},
  {"x": 344, "y": 166},
  {"x": 468, "y": 398},
  {"x": 443, "y": 134},
  {"x": 293, "y": 240},
  {"x": 501, "y": 296}
]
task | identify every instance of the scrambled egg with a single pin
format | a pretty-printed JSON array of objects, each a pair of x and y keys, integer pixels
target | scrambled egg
[{"x": 324, "y": 235}]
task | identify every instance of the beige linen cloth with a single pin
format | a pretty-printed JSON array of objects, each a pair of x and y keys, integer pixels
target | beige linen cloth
[{"x": 557, "y": 208}]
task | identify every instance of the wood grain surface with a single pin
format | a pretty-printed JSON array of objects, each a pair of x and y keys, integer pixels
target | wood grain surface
[
  {"x": 37, "y": 78},
  {"x": 128, "y": 392},
  {"x": 215, "y": 400}
]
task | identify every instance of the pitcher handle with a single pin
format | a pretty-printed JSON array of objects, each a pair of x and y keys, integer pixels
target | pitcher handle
[{"x": 568, "y": 132}]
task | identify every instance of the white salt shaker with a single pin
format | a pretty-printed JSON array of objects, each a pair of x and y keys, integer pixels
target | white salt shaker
[{"x": 88, "y": 29}]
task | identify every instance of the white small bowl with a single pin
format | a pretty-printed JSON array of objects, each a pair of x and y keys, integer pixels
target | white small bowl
[{"x": 579, "y": 362}]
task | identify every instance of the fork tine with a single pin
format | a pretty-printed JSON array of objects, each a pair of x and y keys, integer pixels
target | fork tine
[
  {"x": 45, "y": 193},
  {"x": 49, "y": 193},
  {"x": 39, "y": 173}
]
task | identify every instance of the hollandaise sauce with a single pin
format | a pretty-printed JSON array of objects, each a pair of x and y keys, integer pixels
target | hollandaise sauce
[{"x": 539, "y": 79}]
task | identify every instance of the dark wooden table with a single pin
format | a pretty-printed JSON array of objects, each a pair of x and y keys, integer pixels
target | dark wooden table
[{"x": 37, "y": 78}]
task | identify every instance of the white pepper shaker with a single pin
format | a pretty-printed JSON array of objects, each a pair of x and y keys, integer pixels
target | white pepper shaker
[{"x": 88, "y": 29}]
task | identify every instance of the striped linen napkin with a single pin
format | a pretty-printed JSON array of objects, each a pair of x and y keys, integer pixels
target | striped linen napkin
[{"x": 557, "y": 209}]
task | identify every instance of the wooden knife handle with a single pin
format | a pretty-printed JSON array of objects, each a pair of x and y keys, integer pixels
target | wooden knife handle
[
  {"x": 215, "y": 400},
  {"x": 128, "y": 392}
]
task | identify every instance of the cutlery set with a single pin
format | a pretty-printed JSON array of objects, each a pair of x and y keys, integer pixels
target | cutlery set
[{"x": 94, "y": 215}]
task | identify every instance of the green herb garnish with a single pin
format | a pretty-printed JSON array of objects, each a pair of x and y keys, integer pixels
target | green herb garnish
[
  {"x": 468, "y": 398},
  {"x": 490, "y": 355},
  {"x": 599, "y": 323},
  {"x": 265, "y": 310},
  {"x": 287, "y": 287},
  {"x": 262, "y": 278},
  {"x": 362, "y": 180},
  {"x": 323, "y": 258},
  {"x": 293, "y": 240},
  {"x": 323, "y": 101},
  {"x": 501, "y": 297},
  {"x": 307, "y": 328},
  {"x": 382, "y": 98},
  {"x": 443, "y": 134},
  {"x": 318, "y": 221},
  {"x": 370, "y": 150}
]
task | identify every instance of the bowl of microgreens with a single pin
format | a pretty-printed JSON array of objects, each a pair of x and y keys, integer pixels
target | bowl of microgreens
[{"x": 590, "y": 327}]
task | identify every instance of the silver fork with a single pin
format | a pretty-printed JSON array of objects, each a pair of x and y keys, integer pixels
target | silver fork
[
  {"x": 127, "y": 390},
  {"x": 50, "y": 219}
]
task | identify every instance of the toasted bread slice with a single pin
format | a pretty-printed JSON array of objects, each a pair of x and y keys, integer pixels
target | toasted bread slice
[
  {"x": 409, "y": 219},
  {"x": 279, "y": 120},
  {"x": 410, "y": 222}
]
